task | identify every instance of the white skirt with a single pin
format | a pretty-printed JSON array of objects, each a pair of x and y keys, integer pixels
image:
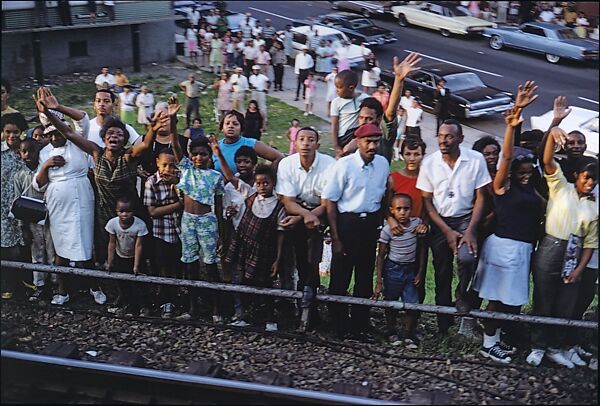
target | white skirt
[{"x": 503, "y": 271}]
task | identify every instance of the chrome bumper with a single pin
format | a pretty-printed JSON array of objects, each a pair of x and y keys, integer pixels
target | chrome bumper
[{"x": 489, "y": 110}]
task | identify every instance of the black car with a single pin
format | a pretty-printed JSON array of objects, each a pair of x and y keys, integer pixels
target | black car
[
  {"x": 469, "y": 96},
  {"x": 375, "y": 9},
  {"x": 358, "y": 29}
]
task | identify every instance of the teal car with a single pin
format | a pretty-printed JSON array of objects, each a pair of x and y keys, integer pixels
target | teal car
[{"x": 554, "y": 41}]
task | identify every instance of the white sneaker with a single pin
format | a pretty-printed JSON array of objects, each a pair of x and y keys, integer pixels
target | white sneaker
[
  {"x": 467, "y": 327},
  {"x": 239, "y": 323},
  {"x": 558, "y": 357},
  {"x": 99, "y": 296},
  {"x": 271, "y": 327},
  {"x": 60, "y": 299},
  {"x": 306, "y": 113},
  {"x": 535, "y": 357},
  {"x": 574, "y": 357}
]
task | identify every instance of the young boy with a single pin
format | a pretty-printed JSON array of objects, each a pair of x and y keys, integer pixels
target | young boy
[
  {"x": 256, "y": 249},
  {"x": 164, "y": 206},
  {"x": 125, "y": 245},
  {"x": 202, "y": 188},
  {"x": 396, "y": 262},
  {"x": 38, "y": 235},
  {"x": 344, "y": 109}
]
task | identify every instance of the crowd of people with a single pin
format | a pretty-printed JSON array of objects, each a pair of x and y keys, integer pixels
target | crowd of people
[{"x": 207, "y": 210}]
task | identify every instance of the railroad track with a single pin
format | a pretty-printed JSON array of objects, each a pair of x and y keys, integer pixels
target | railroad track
[{"x": 33, "y": 378}]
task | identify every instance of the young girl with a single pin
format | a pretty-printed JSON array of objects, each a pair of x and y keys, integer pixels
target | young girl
[
  {"x": 256, "y": 248},
  {"x": 400, "y": 133},
  {"x": 254, "y": 121},
  {"x": 311, "y": 88},
  {"x": 571, "y": 227},
  {"x": 125, "y": 245},
  {"x": 192, "y": 40},
  {"x": 224, "y": 89},
  {"x": 292, "y": 134},
  {"x": 202, "y": 188},
  {"x": 502, "y": 276}
]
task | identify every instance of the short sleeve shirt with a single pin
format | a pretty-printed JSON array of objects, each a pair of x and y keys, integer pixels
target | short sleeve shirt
[
  {"x": 126, "y": 237},
  {"x": 229, "y": 151},
  {"x": 453, "y": 189},
  {"x": 191, "y": 89},
  {"x": 200, "y": 184},
  {"x": 347, "y": 112},
  {"x": 306, "y": 186},
  {"x": 403, "y": 247}
]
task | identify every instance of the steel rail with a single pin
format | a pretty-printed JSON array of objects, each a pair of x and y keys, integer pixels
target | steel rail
[
  {"x": 213, "y": 385},
  {"x": 290, "y": 294}
]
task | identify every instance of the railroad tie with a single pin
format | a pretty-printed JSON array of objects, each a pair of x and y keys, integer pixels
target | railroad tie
[
  {"x": 432, "y": 397},
  {"x": 62, "y": 350},
  {"x": 273, "y": 378},
  {"x": 205, "y": 368},
  {"x": 126, "y": 358},
  {"x": 354, "y": 389}
]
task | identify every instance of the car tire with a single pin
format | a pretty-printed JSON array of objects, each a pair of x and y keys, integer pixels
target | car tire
[
  {"x": 445, "y": 32},
  {"x": 334, "y": 5},
  {"x": 496, "y": 42},
  {"x": 402, "y": 21},
  {"x": 366, "y": 13},
  {"x": 552, "y": 58}
]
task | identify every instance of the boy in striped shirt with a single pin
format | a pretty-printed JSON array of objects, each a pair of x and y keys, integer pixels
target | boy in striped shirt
[{"x": 396, "y": 262}]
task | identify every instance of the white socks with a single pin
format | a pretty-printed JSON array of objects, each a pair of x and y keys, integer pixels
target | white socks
[{"x": 490, "y": 341}]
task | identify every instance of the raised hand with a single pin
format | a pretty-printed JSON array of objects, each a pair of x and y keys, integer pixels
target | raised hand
[
  {"x": 513, "y": 117},
  {"x": 560, "y": 109},
  {"x": 174, "y": 106},
  {"x": 526, "y": 94},
  {"x": 408, "y": 65},
  {"x": 559, "y": 135},
  {"x": 214, "y": 145},
  {"x": 160, "y": 120}
]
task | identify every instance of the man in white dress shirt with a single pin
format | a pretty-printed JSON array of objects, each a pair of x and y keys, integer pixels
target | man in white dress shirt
[
  {"x": 105, "y": 80},
  {"x": 239, "y": 87},
  {"x": 355, "y": 192},
  {"x": 302, "y": 66},
  {"x": 301, "y": 179},
  {"x": 260, "y": 84},
  {"x": 452, "y": 181}
]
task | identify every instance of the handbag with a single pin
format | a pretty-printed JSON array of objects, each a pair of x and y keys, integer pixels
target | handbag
[{"x": 29, "y": 209}]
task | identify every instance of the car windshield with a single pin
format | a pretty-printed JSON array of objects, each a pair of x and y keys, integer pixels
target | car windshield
[
  {"x": 567, "y": 33},
  {"x": 591, "y": 124},
  {"x": 361, "y": 23},
  {"x": 463, "y": 81},
  {"x": 336, "y": 39}
]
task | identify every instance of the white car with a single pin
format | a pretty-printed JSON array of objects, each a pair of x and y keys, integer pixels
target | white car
[
  {"x": 354, "y": 53},
  {"x": 446, "y": 17},
  {"x": 580, "y": 119}
]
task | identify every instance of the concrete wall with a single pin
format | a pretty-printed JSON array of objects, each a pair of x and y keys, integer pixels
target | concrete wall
[{"x": 106, "y": 46}]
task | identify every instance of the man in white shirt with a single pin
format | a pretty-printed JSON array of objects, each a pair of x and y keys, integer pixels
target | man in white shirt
[
  {"x": 407, "y": 99},
  {"x": 452, "y": 181},
  {"x": 355, "y": 192},
  {"x": 212, "y": 19},
  {"x": 260, "y": 84},
  {"x": 239, "y": 86},
  {"x": 303, "y": 64},
  {"x": 193, "y": 16},
  {"x": 105, "y": 80},
  {"x": 414, "y": 114},
  {"x": 103, "y": 106},
  {"x": 301, "y": 179},
  {"x": 250, "y": 53}
]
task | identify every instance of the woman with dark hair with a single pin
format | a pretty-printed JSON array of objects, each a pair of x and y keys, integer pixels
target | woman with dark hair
[
  {"x": 232, "y": 125},
  {"x": 254, "y": 121},
  {"x": 502, "y": 276},
  {"x": 490, "y": 149}
]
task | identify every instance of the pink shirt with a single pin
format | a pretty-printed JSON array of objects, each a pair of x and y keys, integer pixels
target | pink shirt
[
  {"x": 311, "y": 87},
  {"x": 263, "y": 58},
  {"x": 293, "y": 138}
]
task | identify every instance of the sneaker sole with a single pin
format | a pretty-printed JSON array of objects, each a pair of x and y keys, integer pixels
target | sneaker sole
[{"x": 496, "y": 359}]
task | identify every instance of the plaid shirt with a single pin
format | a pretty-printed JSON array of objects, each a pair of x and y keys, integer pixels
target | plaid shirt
[{"x": 159, "y": 193}]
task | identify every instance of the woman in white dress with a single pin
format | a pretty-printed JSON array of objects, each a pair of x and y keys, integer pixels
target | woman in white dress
[
  {"x": 62, "y": 176},
  {"x": 145, "y": 104}
]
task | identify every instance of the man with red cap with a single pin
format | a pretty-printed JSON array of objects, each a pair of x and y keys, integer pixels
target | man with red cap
[{"x": 354, "y": 194}]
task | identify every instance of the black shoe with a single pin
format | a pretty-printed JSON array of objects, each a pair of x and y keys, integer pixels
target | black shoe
[{"x": 296, "y": 99}]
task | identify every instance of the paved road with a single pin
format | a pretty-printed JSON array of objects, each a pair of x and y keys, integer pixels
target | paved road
[{"x": 501, "y": 69}]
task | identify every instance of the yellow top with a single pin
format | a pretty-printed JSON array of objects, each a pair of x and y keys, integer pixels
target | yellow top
[
  {"x": 568, "y": 213},
  {"x": 121, "y": 79}
]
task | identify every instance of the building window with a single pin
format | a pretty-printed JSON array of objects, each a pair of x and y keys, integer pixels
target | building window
[{"x": 78, "y": 48}]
